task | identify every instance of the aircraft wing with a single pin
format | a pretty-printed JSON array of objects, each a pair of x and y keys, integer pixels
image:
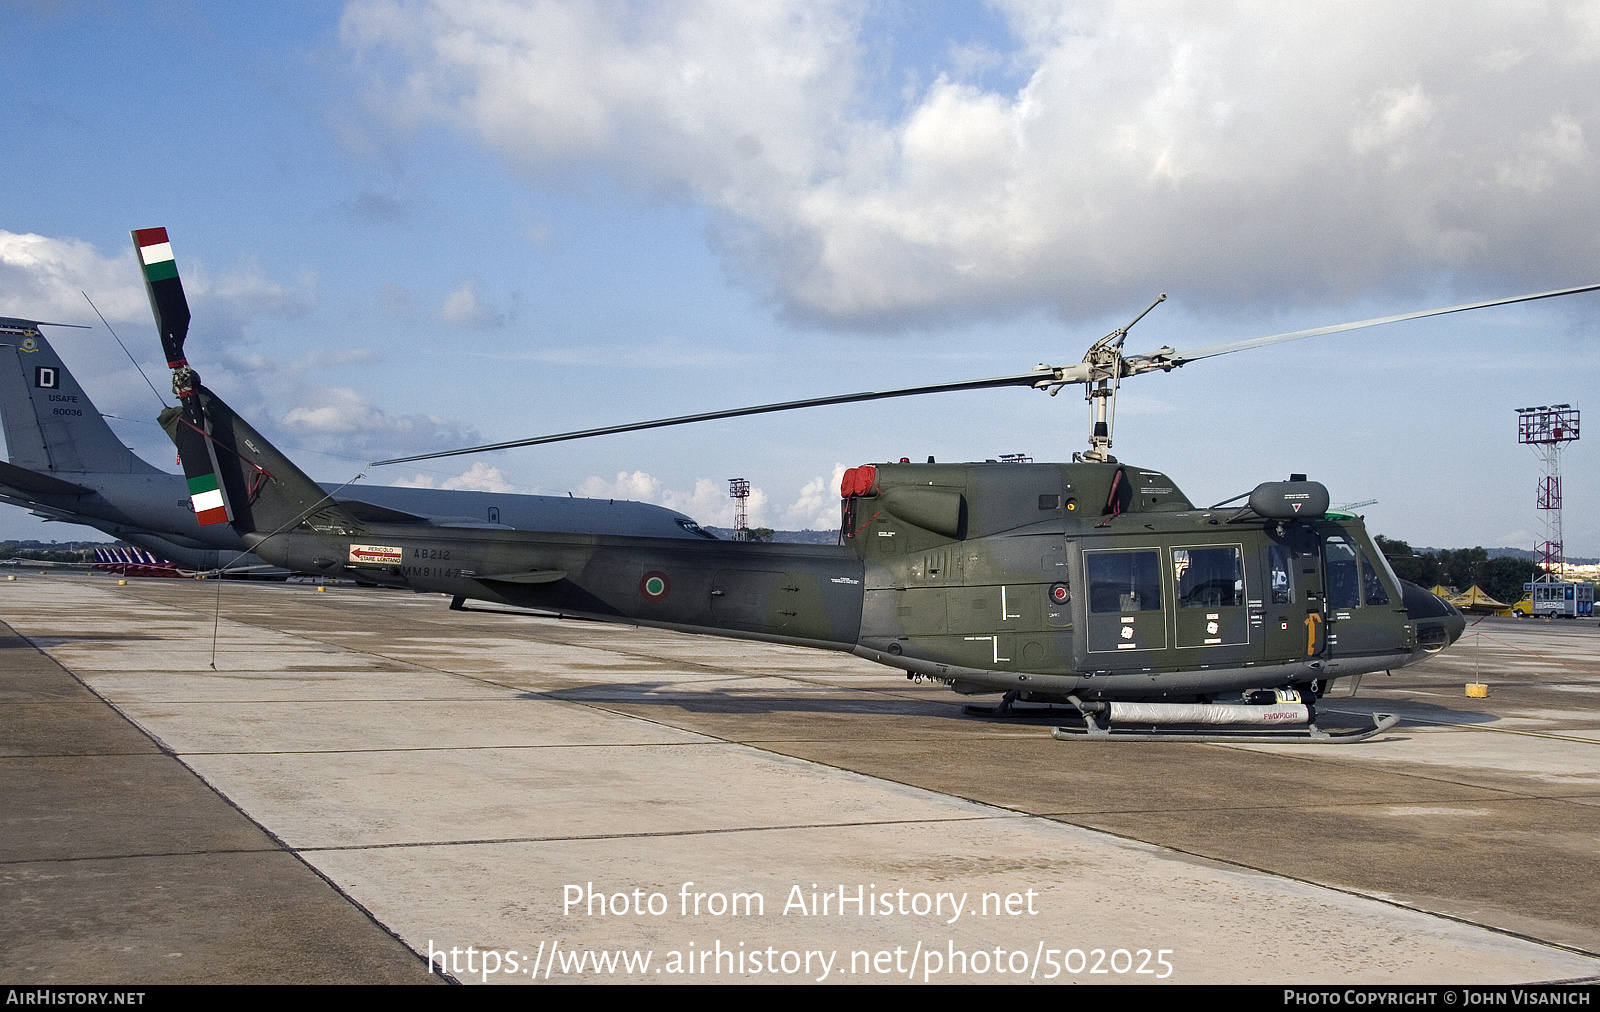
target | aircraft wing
[
  {"x": 372, "y": 513},
  {"x": 24, "y": 480}
]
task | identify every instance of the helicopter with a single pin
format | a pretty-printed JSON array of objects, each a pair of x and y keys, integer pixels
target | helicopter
[{"x": 1095, "y": 589}]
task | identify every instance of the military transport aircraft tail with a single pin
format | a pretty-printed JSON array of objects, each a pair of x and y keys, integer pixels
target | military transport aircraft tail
[{"x": 51, "y": 426}]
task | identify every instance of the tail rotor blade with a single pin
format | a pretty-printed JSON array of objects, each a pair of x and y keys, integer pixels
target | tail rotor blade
[
  {"x": 192, "y": 431},
  {"x": 165, "y": 288},
  {"x": 206, "y": 495}
]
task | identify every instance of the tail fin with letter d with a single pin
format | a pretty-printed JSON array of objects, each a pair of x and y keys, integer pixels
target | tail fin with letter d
[{"x": 50, "y": 423}]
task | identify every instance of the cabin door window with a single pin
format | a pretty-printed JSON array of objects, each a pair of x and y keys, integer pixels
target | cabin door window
[
  {"x": 1125, "y": 601},
  {"x": 1208, "y": 583}
]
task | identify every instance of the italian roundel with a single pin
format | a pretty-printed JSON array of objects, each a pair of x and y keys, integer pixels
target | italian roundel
[{"x": 655, "y": 586}]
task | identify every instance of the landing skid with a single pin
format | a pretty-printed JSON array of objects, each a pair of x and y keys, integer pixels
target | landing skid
[{"x": 1309, "y": 735}]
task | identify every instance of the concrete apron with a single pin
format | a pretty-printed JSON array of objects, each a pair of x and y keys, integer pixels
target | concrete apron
[{"x": 464, "y": 814}]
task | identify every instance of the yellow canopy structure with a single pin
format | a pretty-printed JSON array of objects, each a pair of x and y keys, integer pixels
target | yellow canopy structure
[{"x": 1474, "y": 599}]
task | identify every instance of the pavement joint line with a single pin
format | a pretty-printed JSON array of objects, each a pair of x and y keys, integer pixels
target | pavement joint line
[
  {"x": 1454, "y": 726},
  {"x": 78, "y": 755},
  {"x": 712, "y": 740},
  {"x": 1391, "y": 770},
  {"x": 1008, "y": 812},
  {"x": 473, "y": 748},
  {"x": 263, "y": 702},
  {"x": 1000, "y": 815},
  {"x": 1331, "y": 805},
  {"x": 142, "y": 854}
]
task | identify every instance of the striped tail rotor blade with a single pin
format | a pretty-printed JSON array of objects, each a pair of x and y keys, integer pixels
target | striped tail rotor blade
[
  {"x": 165, "y": 288},
  {"x": 206, "y": 494},
  {"x": 171, "y": 309}
]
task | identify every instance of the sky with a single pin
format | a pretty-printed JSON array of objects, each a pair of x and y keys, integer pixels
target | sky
[{"x": 410, "y": 226}]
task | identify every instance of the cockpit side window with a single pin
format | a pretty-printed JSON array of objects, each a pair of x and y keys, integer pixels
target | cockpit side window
[
  {"x": 1281, "y": 586},
  {"x": 1371, "y": 586},
  {"x": 1344, "y": 575}
]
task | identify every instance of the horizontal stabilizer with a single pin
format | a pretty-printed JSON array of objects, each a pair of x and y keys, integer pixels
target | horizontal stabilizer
[
  {"x": 26, "y": 328},
  {"x": 24, "y": 480}
]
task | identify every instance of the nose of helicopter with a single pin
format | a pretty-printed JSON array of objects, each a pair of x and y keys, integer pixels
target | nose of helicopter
[
  {"x": 1438, "y": 622},
  {"x": 1455, "y": 623}
]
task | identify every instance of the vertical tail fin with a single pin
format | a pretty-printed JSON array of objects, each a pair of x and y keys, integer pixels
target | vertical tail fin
[
  {"x": 266, "y": 492},
  {"x": 50, "y": 423}
]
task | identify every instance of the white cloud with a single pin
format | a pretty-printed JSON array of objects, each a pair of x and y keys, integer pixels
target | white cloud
[
  {"x": 42, "y": 277},
  {"x": 708, "y": 503},
  {"x": 1222, "y": 149},
  {"x": 341, "y": 420},
  {"x": 636, "y": 486},
  {"x": 479, "y": 477},
  {"x": 45, "y": 278},
  {"x": 465, "y": 307},
  {"x": 817, "y": 508}
]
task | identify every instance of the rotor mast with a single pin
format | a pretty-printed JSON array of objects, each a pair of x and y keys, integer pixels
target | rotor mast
[{"x": 1106, "y": 369}]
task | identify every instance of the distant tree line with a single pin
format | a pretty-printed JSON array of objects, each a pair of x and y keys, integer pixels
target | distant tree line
[
  {"x": 1501, "y": 578},
  {"x": 53, "y": 551}
]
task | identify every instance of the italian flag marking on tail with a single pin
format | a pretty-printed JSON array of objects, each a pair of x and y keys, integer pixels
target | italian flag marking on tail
[
  {"x": 155, "y": 254},
  {"x": 206, "y": 498}
]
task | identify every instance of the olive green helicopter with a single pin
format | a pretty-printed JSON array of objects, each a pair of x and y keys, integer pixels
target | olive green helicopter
[{"x": 1094, "y": 589}]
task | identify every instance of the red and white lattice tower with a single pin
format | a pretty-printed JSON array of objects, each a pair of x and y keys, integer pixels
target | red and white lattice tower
[
  {"x": 1547, "y": 429},
  {"x": 739, "y": 488}
]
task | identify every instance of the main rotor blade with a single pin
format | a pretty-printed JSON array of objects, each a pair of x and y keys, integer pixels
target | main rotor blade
[
  {"x": 1211, "y": 351},
  {"x": 1026, "y": 379},
  {"x": 1049, "y": 378}
]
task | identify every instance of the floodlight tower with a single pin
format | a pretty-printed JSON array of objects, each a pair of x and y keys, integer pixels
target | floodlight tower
[
  {"x": 1547, "y": 429},
  {"x": 739, "y": 489}
]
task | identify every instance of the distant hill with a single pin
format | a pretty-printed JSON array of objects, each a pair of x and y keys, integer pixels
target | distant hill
[{"x": 1515, "y": 553}]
